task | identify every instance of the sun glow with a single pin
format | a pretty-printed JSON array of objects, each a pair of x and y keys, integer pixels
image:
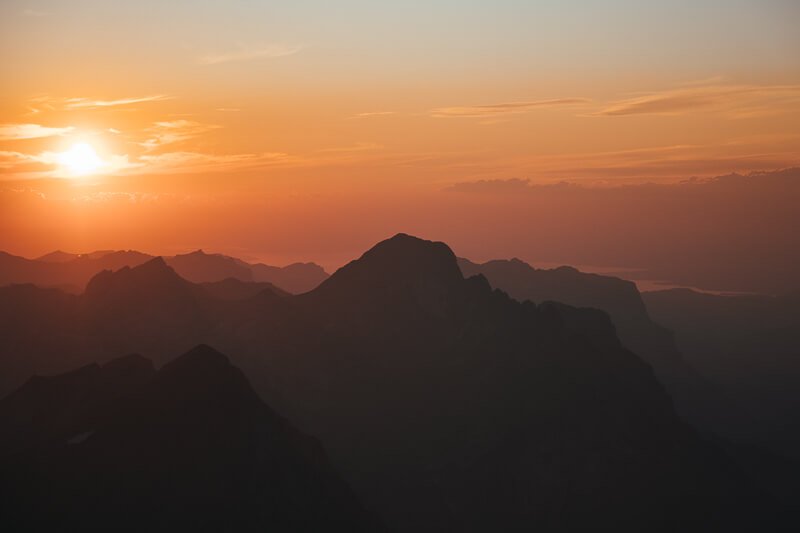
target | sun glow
[{"x": 80, "y": 160}]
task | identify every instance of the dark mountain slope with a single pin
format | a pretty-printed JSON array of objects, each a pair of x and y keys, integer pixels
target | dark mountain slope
[
  {"x": 451, "y": 376},
  {"x": 191, "y": 448},
  {"x": 235, "y": 289},
  {"x": 697, "y": 399},
  {"x": 748, "y": 344}
]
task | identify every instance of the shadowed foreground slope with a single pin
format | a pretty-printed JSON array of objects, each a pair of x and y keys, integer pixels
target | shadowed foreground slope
[{"x": 188, "y": 448}]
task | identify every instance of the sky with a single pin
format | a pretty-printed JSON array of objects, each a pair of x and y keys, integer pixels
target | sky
[{"x": 308, "y": 130}]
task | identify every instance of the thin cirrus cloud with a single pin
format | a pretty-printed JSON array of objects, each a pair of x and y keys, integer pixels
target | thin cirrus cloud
[
  {"x": 246, "y": 52},
  {"x": 13, "y": 132},
  {"x": 491, "y": 110},
  {"x": 374, "y": 114},
  {"x": 183, "y": 162},
  {"x": 17, "y": 165},
  {"x": 735, "y": 100},
  {"x": 84, "y": 103},
  {"x": 174, "y": 131},
  {"x": 40, "y": 104}
]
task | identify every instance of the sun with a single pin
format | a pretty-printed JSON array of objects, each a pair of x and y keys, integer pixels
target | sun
[{"x": 80, "y": 160}]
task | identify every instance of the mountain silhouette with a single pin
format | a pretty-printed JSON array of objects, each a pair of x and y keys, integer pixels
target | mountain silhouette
[
  {"x": 696, "y": 398},
  {"x": 188, "y": 447},
  {"x": 445, "y": 403},
  {"x": 72, "y": 272},
  {"x": 200, "y": 267},
  {"x": 236, "y": 289}
]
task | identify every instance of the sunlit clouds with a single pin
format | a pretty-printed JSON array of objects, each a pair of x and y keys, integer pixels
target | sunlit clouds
[
  {"x": 11, "y": 132},
  {"x": 174, "y": 131},
  {"x": 489, "y": 110},
  {"x": 732, "y": 100},
  {"x": 39, "y": 104}
]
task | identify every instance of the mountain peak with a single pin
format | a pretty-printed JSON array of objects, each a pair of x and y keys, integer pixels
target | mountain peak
[
  {"x": 411, "y": 251},
  {"x": 398, "y": 259},
  {"x": 156, "y": 263},
  {"x": 403, "y": 272},
  {"x": 201, "y": 357},
  {"x": 154, "y": 273},
  {"x": 58, "y": 256},
  {"x": 203, "y": 372}
]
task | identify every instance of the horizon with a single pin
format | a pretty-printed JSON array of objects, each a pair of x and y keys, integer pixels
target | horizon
[{"x": 307, "y": 132}]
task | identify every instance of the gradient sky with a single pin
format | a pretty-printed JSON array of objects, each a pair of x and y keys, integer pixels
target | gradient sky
[{"x": 308, "y": 130}]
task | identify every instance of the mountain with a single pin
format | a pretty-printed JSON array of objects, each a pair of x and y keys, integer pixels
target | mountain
[
  {"x": 72, "y": 272},
  {"x": 296, "y": 278},
  {"x": 749, "y": 344},
  {"x": 444, "y": 403},
  {"x": 200, "y": 267},
  {"x": 64, "y": 270},
  {"x": 122, "y": 447},
  {"x": 57, "y": 257},
  {"x": 705, "y": 404},
  {"x": 236, "y": 289}
]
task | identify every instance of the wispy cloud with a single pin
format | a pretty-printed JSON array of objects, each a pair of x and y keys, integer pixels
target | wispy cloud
[
  {"x": 11, "y": 132},
  {"x": 47, "y": 164},
  {"x": 181, "y": 162},
  {"x": 482, "y": 111},
  {"x": 736, "y": 100},
  {"x": 512, "y": 186},
  {"x": 245, "y": 52},
  {"x": 11, "y": 160},
  {"x": 81, "y": 103},
  {"x": 46, "y": 103},
  {"x": 374, "y": 114},
  {"x": 174, "y": 131}
]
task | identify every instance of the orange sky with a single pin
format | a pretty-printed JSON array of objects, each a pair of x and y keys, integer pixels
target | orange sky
[{"x": 308, "y": 131}]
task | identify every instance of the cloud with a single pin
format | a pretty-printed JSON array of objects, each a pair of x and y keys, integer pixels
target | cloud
[
  {"x": 789, "y": 178},
  {"x": 11, "y": 160},
  {"x": 245, "y": 52},
  {"x": 47, "y": 164},
  {"x": 82, "y": 103},
  {"x": 482, "y": 111},
  {"x": 507, "y": 186},
  {"x": 12, "y": 132},
  {"x": 745, "y": 100},
  {"x": 374, "y": 114},
  {"x": 511, "y": 185},
  {"x": 180, "y": 162},
  {"x": 174, "y": 131}
]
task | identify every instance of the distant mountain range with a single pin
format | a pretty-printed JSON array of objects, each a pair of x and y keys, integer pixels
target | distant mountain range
[
  {"x": 446, "y": 404},
  {"x": 72, "y": 272},
  {"x": 123, "y": 447},
  {"x": 750, "y": 345}
]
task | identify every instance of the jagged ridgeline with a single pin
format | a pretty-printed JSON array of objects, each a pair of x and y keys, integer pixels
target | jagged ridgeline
[{"x": 444, "y": 403}]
